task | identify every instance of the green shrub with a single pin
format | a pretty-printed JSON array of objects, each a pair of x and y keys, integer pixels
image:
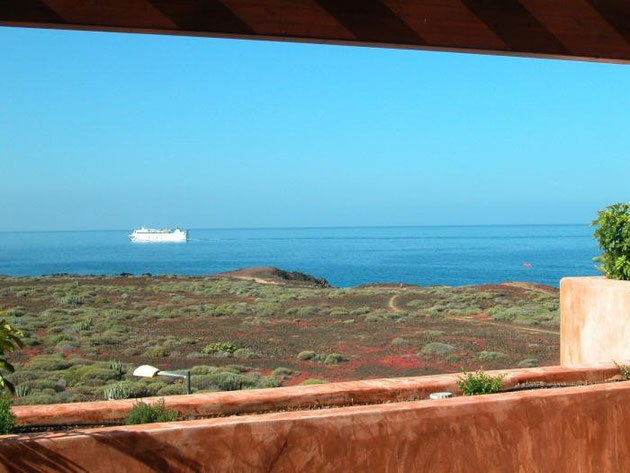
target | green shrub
[
  {"x": 245, "y": 354},
  {"x": 22, "y": 391},
  {"x": 16, "y": 312},
  {"x": 234, "y": 369},
  {"x": 83, "y": 325},
  {"x": 455, "y": 310},
  {"x": 308, "y": 310},
  {"x": 117, "y": 367},
  {"x": 89, "y": 374},
  {"x": 490, "y": 355},
  {"x": 360, "y": 311},
  {"x": 528, "y": 363},
  {"x": 56, "y": 339},
  {"x": 65, "y": 347},
  {"x": 537, "y": 311},
  {"x": 143, "y": 413},
  {"x": 433, "y": 333},
  {"x": 338, "y": 313},
  {"x": 202, "y": 369},
  {"x": 117, "y": 391},
  {"x": 613, "y": 233},
  {"x": 110, "y": 337},
  {"x": 36, "y": 398},
  {"x": 282, "y": 372},
  {"x": 306, "y": 355},
  {"x": 479, "y": 382},
  {"x": 172, "y": 389},
  {"x": 10, "y": 340},
  {"x": 267, "y": 309},
  {"x": 310, "y": 381},
  {"x": 625, "y": 370},
  {"x": 7, "y": 419},
  {"x": 268, "y": 382},
  {"x": 206, "y": 382},
  {"x": 227, "y": 381},
  {"x": 416, "y": 303},
  {"x": 40, "y": 384},
  {"x": 72, "y": 300},
  {"x": 156, "y": 352},
  {"x": 437, "y": 348},
  {"x": 335, "y": 359},
  {"x": 220, "y": 347}
]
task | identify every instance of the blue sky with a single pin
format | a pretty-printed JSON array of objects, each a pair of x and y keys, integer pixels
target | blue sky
[{"x": 112, "y": 131}]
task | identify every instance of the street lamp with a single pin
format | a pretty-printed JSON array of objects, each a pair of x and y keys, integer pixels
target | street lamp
[{"x": 147, "y": 371}]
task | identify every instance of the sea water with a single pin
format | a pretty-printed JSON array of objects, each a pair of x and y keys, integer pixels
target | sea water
[{"x": 447, "y": 255}]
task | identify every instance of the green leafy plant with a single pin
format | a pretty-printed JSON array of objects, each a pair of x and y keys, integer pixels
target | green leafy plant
[
  {"x": 7, "y": 419},
  {"x": 9, "y": 341},
  {"x": 479, "y": 382},
  {"x": 143, "y": 413},
  {"x": 613, "y": 233},
  {"x": 83, "y": 325},
  {"x": 156, "y": 352},
  {"x": 625, "y": 370},
  {"x": 220, "y": 347},
  {"x": 72, "y": 300},
  {"x": 22, "y": 391},
  {"x": 117, "y": 367},
  {"x": 117, "y": 391}
]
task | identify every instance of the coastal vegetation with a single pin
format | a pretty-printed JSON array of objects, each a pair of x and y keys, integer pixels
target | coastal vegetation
[
  {"x": 144, "y": 413},
  {"x": 9, "y": 341},
  {"x": 613, "y": 234},
  {"x": 83, "y": 336},
  {"x": 7, "y": 419},
  {"x": 479, "y": 382}
]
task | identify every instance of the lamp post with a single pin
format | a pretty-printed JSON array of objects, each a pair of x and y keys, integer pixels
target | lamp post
[{"x": 147, "y": 371}]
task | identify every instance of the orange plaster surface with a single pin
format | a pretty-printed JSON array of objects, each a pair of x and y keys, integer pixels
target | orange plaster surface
[
  {"x": 297, "y": 397},
  {"x": 563, "y": 430},
  {"x": 595, "y": 320}
]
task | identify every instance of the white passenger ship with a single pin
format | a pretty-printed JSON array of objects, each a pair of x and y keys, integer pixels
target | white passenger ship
[{"x": 163, "y": 235}]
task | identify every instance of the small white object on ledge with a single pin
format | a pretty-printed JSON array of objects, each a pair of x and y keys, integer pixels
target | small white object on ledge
[{"x": 443, "y": 395}]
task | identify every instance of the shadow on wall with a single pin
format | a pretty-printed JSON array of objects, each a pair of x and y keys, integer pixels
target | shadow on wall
[{"x": 24, "y": 454}]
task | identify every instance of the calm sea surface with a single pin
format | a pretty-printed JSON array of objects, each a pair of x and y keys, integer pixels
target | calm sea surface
[{"x": 344, "y": 256}]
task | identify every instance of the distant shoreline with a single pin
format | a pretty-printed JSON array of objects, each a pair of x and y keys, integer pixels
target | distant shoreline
[{"x": 273, "y": 276}]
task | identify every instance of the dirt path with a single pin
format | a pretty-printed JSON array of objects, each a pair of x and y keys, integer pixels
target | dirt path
[
  {"x": 520, "y": 328},
  {"x": 528, "y": 287},
  {"x": 257, "y": 280},
  {"x": 392, "y": 304},
  {"x": 394, "y": 308}
]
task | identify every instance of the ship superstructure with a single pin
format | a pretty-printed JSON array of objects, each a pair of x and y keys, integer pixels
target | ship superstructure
[{"x": 153, "y": 235}]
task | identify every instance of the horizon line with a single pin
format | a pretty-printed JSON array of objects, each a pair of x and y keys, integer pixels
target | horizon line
[{"x": 323, "y": 227}]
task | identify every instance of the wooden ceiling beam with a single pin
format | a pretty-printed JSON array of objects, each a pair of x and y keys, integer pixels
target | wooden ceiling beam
[{"x": 573, "y": 29}]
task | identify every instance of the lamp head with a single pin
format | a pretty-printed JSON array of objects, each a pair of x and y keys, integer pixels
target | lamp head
[{"x": 146, "y": 371}]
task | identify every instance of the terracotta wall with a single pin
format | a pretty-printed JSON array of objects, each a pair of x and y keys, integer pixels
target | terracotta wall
[
  {"x": 595, "y": 320},
  {"x": 264, "y": 400},
  {"x": 564, "y": 430}
]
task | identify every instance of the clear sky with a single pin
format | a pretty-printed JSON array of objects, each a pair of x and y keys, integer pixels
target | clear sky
[{"x": 113, "y": 131}]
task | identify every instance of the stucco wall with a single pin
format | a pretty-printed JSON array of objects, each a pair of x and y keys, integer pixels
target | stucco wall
[
  {"x": 299, "y": 397},
  {"x": 564, "y": 430},
  {"x": 595, "y": 320}
]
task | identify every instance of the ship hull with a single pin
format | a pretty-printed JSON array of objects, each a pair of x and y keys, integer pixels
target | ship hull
[{"x": 159, "y": 237}]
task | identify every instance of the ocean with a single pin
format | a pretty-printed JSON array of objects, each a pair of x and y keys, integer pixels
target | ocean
[{"x": 440, "y": 255}]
